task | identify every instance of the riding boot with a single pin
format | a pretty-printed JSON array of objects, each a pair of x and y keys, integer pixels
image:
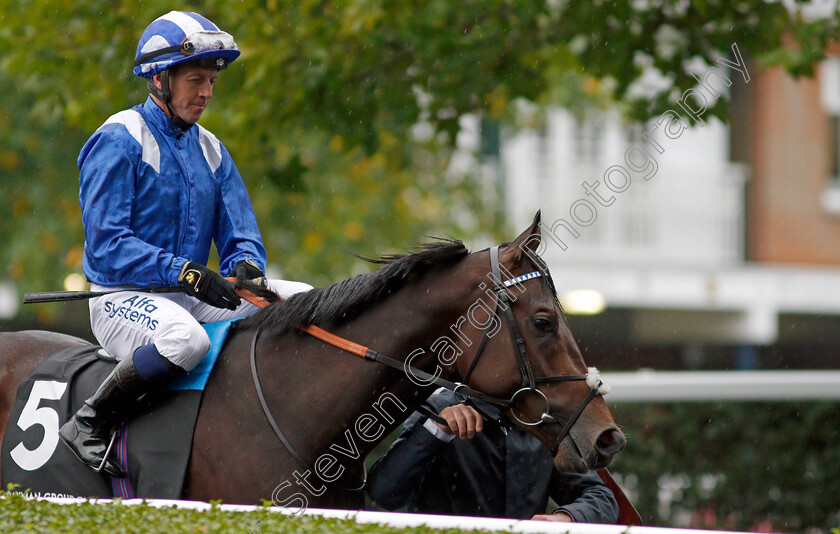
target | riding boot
[{"x": 88, "y": 432}]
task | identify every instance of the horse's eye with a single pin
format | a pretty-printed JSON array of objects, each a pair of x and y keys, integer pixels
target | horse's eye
[{"x": 542, "y": 324}]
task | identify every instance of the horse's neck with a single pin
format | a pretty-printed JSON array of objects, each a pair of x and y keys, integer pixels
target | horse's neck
[{"x": 357, "y": 402}]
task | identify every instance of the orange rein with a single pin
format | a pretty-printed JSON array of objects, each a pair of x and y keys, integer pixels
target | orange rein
[{"x": 312, "y": 330}]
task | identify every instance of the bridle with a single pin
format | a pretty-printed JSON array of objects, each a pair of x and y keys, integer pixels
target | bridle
[{"x": 529, "y": 383}]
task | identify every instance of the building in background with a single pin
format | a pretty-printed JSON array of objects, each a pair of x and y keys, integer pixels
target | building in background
[{"x": 722, "y": 252}]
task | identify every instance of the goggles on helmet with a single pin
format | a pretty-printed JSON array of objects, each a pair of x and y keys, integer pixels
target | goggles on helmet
[{"x": 198, "y": 42}]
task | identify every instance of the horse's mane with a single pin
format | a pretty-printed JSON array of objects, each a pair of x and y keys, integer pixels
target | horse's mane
[{"x": 347, "y": 299}]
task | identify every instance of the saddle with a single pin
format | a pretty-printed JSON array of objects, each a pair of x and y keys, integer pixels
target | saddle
[{"x": 153, "y": 445}]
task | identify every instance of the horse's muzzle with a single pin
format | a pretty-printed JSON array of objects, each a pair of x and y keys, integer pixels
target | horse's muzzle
[{"x": 609, "y": 443}]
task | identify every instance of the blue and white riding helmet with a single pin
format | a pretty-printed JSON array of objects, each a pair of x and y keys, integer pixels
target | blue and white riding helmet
[{"x": 179, "y": 37}]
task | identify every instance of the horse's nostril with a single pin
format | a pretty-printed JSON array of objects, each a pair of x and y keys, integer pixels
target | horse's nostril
[{"x": 610, "y": 441}]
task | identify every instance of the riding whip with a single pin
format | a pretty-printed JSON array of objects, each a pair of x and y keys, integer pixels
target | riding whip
[{"x": 58, "y": 296}]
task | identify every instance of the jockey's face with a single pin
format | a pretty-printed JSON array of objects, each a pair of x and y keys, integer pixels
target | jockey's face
[{"x": 191, "y": 88}]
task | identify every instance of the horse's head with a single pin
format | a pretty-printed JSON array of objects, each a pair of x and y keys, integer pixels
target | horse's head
[{"x": 530, "y": 357}]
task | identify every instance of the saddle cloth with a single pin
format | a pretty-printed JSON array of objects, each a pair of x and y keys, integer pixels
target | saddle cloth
[{"x": 155, "y": 443}]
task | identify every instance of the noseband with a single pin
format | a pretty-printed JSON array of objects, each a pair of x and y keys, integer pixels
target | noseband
[{"x": 529, "y": 381}]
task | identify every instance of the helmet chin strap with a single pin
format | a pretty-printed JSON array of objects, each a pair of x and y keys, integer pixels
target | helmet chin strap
[{"x": 164, "y": 94}]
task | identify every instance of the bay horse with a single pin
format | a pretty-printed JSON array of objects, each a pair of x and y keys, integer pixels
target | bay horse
[{"x": 490, "y": 319}]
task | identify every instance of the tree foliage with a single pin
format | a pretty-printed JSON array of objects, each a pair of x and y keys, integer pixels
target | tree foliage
[{"x": 343, "y": 116}]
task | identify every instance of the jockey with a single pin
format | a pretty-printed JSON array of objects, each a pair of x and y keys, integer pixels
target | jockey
[{"x": 155, "y": 189}]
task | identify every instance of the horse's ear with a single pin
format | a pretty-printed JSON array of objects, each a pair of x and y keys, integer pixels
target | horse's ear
[{"x": 527, "y": 243}]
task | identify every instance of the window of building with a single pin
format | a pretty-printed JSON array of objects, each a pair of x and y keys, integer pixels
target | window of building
[
  {"x": 830, "y": 100},
  {"x": 834, "y": 148},
  {"x": 588, "y": 138}
]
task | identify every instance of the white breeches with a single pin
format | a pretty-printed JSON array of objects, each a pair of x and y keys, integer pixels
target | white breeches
[{"x": 124, "y": 321}]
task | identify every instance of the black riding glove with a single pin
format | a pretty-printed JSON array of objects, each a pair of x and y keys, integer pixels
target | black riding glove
[
  {"x": 208, "y": 286},
  {"x": 247, "y": 270}
]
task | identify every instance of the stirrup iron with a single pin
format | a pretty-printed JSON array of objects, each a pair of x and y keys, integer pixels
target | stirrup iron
[{"x": 107, "y": 453}]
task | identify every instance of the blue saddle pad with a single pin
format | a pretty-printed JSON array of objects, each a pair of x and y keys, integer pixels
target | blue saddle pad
[{"x": 197, "y": 378}]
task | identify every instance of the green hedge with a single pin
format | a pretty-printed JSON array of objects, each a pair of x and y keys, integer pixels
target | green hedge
[
  {"x": 733, "y": 465},
  {"x": 18, "y": 515}
]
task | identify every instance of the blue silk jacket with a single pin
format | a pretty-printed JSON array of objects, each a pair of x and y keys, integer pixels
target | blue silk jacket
[{"x": 154, "y": 197}]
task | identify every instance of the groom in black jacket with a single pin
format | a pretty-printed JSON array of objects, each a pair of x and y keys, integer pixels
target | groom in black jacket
[{"x": 467, "y": 467}]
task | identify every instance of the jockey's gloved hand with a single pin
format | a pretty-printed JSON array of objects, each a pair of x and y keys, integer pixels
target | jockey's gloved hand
[
  {"x": 247, "y": 270},
  {"x": 208, "y": 286}
]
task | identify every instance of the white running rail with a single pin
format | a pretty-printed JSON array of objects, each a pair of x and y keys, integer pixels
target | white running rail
[
  {"x": 415, "y": 520},
  {"x": 671, "y": 386}
]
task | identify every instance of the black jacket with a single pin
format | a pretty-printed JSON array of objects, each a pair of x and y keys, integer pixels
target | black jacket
[{"x": 501, "y": 472}]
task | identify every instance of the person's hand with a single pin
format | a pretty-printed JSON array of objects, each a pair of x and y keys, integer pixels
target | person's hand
[
  {"x": 463, "y": 421},
  {"x": 247, "y": 270},
  {"x": 208, "y": 286},
  {"x": 559, "y": 517}
]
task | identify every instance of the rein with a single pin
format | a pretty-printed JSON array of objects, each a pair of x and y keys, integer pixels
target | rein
[
  {"x": 279, "y": 432},
  {"x": 529, "y": 381}
]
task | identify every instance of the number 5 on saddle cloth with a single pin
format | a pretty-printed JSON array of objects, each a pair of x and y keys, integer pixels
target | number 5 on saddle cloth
[{"x": 154, "y": 445}]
